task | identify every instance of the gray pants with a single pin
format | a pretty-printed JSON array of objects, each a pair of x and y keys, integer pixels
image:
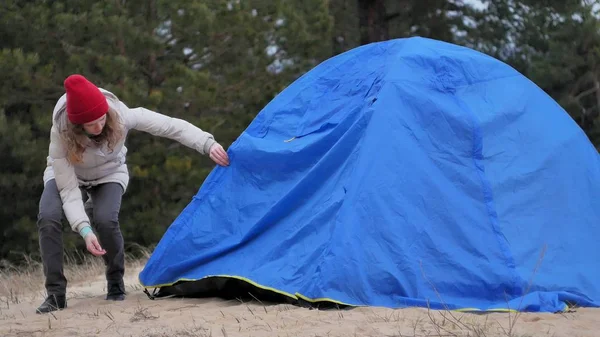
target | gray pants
[{"x": 103, "y": 209}]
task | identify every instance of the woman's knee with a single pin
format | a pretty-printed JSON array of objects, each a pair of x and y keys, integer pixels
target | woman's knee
[
  {"x": 50, "y": 207},
  {"x": 107, "y": 204},
  {"x": 106, "y": 220},
  {"x": 46, "y": 216}
]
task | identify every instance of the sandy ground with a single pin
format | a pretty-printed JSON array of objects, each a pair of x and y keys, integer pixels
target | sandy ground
[{"x": 88, "y": 314}]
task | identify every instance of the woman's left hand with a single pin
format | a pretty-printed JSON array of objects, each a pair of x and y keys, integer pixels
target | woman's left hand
[{"x": 218, "y": 155}]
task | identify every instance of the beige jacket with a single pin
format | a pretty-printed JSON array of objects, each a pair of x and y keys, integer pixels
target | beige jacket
[{"x": 101, "y": 165}]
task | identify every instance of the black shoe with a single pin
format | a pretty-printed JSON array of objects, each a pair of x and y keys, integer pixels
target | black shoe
[
  {"x": 52, "y": 303},
  {"x": 116, "y": 292}
]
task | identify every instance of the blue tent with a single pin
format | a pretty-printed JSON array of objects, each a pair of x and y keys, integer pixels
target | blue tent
[{"x": 409, "y": 172}]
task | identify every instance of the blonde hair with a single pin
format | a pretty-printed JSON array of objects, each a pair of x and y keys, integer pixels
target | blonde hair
[{"x": 76, "y": 139}]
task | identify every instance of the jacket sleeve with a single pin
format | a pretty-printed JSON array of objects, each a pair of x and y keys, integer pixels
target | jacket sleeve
[
  {"x": 161, "y": 125},
  {"x": 67, "y": 183}
]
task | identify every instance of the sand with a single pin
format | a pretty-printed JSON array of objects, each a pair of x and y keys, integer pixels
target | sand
[{"x": 88, "y": 314}]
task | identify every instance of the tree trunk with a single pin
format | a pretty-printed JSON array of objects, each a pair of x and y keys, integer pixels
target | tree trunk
[
  {"x": 152, "y": 65},
  {"x": 372, "y": 21}
]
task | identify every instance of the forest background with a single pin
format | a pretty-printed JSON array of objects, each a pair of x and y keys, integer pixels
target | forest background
[{"x": 217, "y": 63}]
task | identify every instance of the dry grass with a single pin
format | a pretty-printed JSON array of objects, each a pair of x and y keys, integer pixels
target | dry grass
[
  {"x": 138, "y": 316},
  {"x": 442, "y": 319},
  {"x": 142, "y": 313},
  {"x": 25, "y": 282}
]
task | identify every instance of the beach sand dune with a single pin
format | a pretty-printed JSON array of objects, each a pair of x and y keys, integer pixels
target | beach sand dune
[{"x": 88, "y": 314}]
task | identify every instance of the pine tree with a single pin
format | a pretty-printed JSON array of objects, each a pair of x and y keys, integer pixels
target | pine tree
[
  {"x": 554, "y": 43},
  {"x": 213, "y": 63}
]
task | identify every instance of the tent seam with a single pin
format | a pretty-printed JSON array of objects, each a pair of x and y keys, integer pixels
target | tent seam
[{"x": 477, "y": 156}]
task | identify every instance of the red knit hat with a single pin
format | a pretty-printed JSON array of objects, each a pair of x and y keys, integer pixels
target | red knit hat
[{"x": 85, "y": 102}]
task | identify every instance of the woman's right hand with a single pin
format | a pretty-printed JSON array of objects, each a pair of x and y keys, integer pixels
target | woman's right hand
[
  {"x": 93, "y": 246},
  {"x": 219, "y": 155}
]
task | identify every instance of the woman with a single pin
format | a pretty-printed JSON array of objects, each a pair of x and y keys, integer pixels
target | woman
[{"x": 86, "y": 175}]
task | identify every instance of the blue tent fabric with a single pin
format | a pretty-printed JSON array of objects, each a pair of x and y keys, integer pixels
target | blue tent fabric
[{"x": 410, "y": 172}]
